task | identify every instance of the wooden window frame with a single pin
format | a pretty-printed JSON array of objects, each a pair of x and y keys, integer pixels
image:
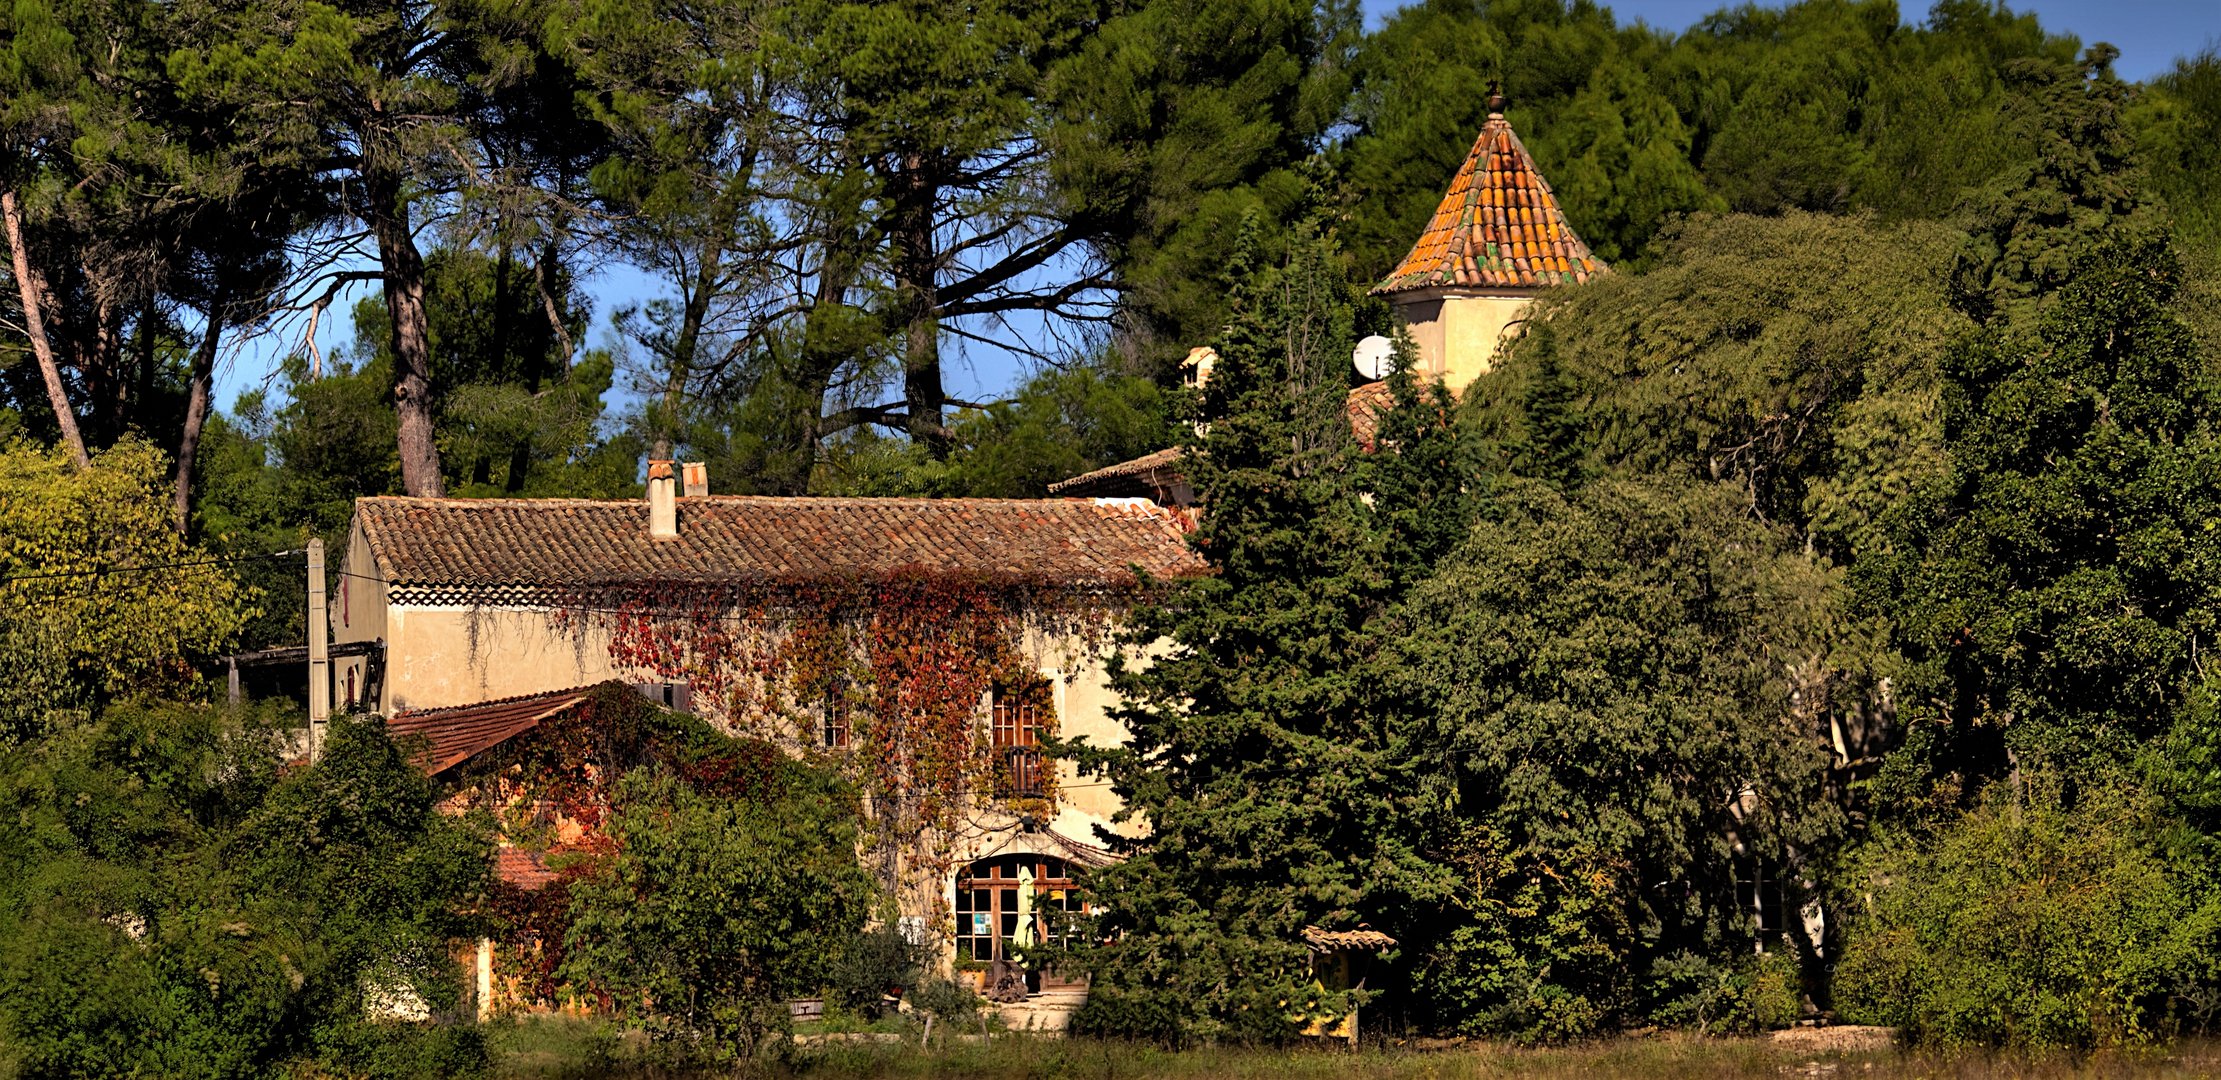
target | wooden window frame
[
  {"x": 1014, "y": 734},
  {"x": 999, "y": 891},
  {"x": 836, "y": 728}
]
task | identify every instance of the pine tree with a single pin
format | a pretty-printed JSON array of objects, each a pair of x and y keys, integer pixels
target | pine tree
[{"x": 2074, "y": 186}]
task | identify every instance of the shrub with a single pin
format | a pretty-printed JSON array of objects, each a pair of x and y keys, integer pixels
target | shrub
[
  {"x": 1711, "y": 997},
  {"x": 1542, "y": 951},
  {"x": 174, "y": 906},
  {"x": 715, "y": 906},
  {"x": 2043, "y": 924},
  {"x": 873, "y": 963}
]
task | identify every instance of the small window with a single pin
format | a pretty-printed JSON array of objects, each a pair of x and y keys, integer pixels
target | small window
[
  {"x": 833, "y": 719},
  {"x": 1017, "y": 719}
]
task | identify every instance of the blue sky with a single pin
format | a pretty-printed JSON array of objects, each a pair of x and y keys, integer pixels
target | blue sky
[{"x": 2149, "y": 33}]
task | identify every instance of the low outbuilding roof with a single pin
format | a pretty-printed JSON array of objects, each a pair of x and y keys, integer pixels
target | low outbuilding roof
[
  {"x": 455, "y": 735},
  {"x": 1360, "y": 938}
]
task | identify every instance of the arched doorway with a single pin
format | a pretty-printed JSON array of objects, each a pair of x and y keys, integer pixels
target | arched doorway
[{"x": 1003, "y": 907}]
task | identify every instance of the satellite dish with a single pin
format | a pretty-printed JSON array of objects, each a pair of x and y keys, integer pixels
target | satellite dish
[{"x": 1375, "y": 356}]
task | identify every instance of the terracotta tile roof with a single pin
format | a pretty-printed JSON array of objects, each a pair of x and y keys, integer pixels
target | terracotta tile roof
[
  {"x": 1161, "y": 460},
  {"x": 455, "y": 735},
  {"x": 527, "y": 870},
  {"x": 1360, "y": 938},
  {"x": 1498, "y": 225},
  {"x": 508, "y": 543},
  {"x": 1365, "y": 404}
]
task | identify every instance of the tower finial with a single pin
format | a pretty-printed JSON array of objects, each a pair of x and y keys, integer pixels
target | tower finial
[{"x": 1496, "y": 100}]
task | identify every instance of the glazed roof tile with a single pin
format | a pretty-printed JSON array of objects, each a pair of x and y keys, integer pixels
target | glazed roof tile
[
  {"x": 1499, "y": 226},
  {"x": 734, "y": 539}
]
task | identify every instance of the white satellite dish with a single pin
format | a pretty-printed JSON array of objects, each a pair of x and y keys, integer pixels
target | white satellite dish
[{"x": 1374, "y": 357}]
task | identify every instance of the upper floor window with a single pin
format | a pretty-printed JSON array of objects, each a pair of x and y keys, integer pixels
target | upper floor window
[
  {"x": 1016, "y": 721},
  {"x": 833, "y": 718},
  {"x": 1017, "y": 718}
]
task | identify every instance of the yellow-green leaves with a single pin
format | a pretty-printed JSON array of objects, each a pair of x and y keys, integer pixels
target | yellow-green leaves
[{"x": 89, "y": 558}]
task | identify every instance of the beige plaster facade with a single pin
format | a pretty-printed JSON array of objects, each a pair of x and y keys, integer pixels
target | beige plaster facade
[
  {"x": 1458, "y": 331},
  {"x": 446, "y": 655}
]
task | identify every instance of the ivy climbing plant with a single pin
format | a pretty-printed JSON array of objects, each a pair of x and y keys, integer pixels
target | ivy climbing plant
[{"x": 907, "y": 660}]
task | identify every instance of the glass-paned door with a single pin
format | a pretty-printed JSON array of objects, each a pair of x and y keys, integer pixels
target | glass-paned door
[{"x": 1003, "y": 907}]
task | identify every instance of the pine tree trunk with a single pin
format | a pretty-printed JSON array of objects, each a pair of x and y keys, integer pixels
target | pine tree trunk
[
  {"x": 916, "y": 276},
  {"x": 34, "y": 325},
  {"x": 196, "y": 417},
  {"x": 403, "y": 271}
]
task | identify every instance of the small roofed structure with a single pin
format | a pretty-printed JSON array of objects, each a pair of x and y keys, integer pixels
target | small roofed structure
[
  {"x": 1495, "y": 242},
  {"x": 1362, "y": 939},
  {"x": 1154, "y": 476},
  {"x": 1339, "y": 959}
]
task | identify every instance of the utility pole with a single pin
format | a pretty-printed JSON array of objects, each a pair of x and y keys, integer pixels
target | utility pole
[{"x": 319, "y": 654}]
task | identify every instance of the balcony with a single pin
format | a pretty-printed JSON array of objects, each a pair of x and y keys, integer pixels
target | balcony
[{"x": 1021, "y": 773}]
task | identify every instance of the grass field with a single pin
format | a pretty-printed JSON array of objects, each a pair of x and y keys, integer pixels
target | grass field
[{"x": 574, "y": 1050}]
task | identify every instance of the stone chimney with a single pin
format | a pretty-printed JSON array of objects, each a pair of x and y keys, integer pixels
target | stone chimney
[
  {"x": 663, "y": 504},
  {"x": 695, "y": 478}
]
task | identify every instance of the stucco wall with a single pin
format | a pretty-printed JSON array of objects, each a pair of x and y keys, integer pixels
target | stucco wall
[
  {"x": 1458, "y": 336},
  {"x": 439, "y": 656},
  {"x": 358, "y": 613}
]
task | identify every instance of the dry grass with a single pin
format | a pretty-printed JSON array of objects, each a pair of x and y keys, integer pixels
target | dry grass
[{"x": 556, "y": 1051}]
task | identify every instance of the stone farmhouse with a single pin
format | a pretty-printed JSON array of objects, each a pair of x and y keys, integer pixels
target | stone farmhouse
[{"x": 471, "y": 621}]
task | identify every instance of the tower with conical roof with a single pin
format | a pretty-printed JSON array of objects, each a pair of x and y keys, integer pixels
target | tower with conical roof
[{"x": 1497, "y": 240}]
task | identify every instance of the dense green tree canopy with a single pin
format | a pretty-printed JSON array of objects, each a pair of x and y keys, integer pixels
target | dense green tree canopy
[{"x": 178, "y": 905}]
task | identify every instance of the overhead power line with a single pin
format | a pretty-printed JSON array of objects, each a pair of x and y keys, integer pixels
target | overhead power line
[{"x": 103, "y": 571}]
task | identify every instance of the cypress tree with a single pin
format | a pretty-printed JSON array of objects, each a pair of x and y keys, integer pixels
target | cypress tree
[{"x": 1271, "y": 788}]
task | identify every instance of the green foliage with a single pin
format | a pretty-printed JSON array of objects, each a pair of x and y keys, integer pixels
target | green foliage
[
  {"x": 1535, "y": 946},
  {"x": 179, "y": 906},
  {"x": 875, "y": 963},
  {"x": 2177, "y": 119},
  {"x": 716, "y": 907},
  {"x": 80, "y": 620},
  {"x": 1273, "y": 794},
  {"x": 517, "y": 416},
  {"x": 1178, "y": 151},
  {"x": 1819, "y": 105},
  {"x": 2050, "y": 588},
  {"x": 1718, "y": 997},
  {"x": 1600, "y": 675},
  {"x": 1060, "y": 423},
  {"x": 946, "y": 1000},
  {"x": 1794, "y": 357},
  {"x": 2075, "y": 189},
  {"x": 2034, "y": 923}
]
